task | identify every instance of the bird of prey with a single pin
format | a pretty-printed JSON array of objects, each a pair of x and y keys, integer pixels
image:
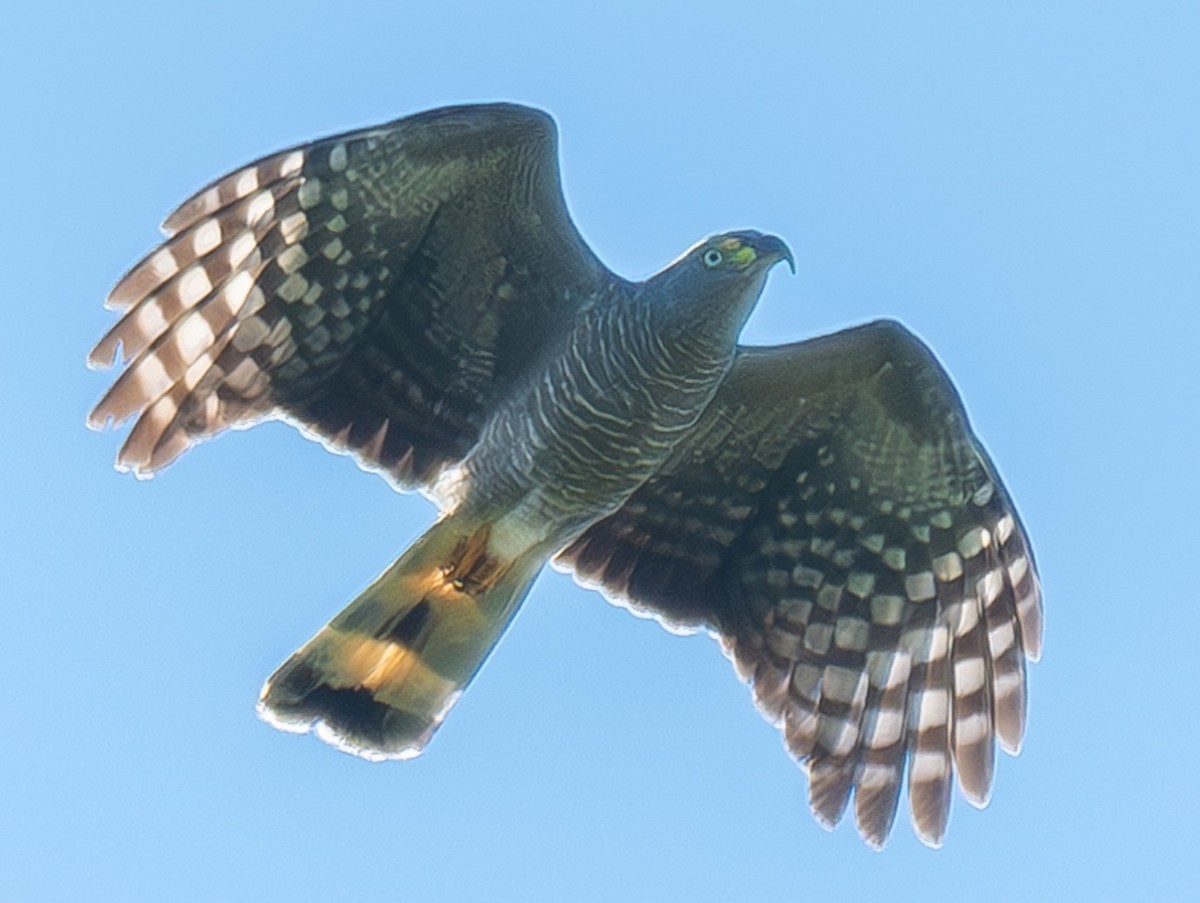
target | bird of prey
[{"x": 416, "y": 295}]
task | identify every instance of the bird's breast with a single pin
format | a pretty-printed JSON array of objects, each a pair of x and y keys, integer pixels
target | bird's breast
[{"x": 591, "y": 425}]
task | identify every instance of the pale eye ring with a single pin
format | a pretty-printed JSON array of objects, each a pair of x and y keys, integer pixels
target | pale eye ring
[{"x": 712, "y": 257}]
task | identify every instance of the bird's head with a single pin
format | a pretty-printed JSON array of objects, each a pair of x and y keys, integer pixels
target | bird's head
[
  {"x": 741, "y": 254},
  {"x": 717, "y": 281}
]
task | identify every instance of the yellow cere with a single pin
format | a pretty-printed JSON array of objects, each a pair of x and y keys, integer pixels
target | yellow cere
[{"x": 739, "y": 254}]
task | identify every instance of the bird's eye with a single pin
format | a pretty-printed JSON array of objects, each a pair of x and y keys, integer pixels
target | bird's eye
[{"x": 712, "y": 258}]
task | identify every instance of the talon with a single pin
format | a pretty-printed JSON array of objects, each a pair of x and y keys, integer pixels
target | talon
[{"x": 471, "y": 568}]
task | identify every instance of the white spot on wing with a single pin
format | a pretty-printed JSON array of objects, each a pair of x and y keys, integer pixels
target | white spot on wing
[
  {"x": 292, "y": 259},
  {"x": 194, "y": 286},
  {"x": 237, "y": 290},
  {"x": 259, "y": 208},
  {"x": 841, "y": 684},
  {"x": 875, "y": 776},
  {"x": 1018, "y": 569},
  {"x": 860, "y": 583},
  {"x": 292, "y": 288},
  {"x": 984, "y": 493},
  {"x": 928, "y": 765},
  {"x": 934, "y": 707},
  {"x": 970, "y": 730},
  {"x": 196, "y": 372},
  {"x": 837, "y": 736},
  {"x": 818, "y": 637},
  {"x": 291, "y": 163},
  {"x": 990, "y": 586},
  {"x": 973, "y": 542},
  {"x": 919, "y": 587},
  {"x": 241, "y": 248},
  {"x": 338, "y": 157},
  {"x": 888, "y": 670},
  {"x": 207, "y": 237},
  {"x": 1006, "y": 684},
  {"x": 873, "y": 542},
  {"x": 293, "y": 228},
  {"x": 246, "y": 182},
  {"x": 947, "y": 567},
  {"x": 149, "y": 319},
  {"x": 886, "y": 609},
  {"x": 887, "y": 729},
  {"x": 806, "y": 576},
  {"x": 1004, "y": 528},
  {"x": 194, "y": 335},
  {"x": 151, "y": 377},
  {"x": 163, "y": 263},
  {"x": 967, "y": 614},
  {"x": 852, "y": 633},
  {"x": 968, "y": 676},
  {"x": 1001, "y": 638},
  {"x": 939, "y": 643}
]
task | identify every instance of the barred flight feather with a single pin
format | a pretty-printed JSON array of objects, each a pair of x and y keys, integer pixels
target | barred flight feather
[
  {"x": 332, "y": 285},
  {"x": 941, "y": 679},
  {"x": 189, "y": 374},
  {"x": 862, "y": 564}
]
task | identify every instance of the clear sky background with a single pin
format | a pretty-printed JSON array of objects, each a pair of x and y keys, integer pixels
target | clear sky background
[{"x": 1019, "y": 182}]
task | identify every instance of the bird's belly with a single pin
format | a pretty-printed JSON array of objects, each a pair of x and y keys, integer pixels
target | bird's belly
[{"x": 570, "y": 454}]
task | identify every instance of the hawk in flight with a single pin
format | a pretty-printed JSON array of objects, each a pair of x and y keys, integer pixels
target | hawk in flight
[{"x": 416, "y": 295}]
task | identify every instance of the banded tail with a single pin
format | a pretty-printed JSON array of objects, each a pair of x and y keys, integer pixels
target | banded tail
[{"x": 379, "y": 678}]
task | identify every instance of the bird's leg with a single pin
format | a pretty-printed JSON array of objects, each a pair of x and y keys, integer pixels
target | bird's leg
[
  {"x": 472, "y": 568},
  {"x": 379, "y": 678}
]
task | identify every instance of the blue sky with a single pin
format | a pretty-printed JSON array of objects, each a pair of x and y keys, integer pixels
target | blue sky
[{"x": 1017, "y": 182}]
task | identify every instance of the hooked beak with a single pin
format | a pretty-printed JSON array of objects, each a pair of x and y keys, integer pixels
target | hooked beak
[{"x": 773, "y": 249}]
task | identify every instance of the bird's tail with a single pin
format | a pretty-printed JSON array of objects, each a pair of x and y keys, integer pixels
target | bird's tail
[{"x": 379, "y": 678}]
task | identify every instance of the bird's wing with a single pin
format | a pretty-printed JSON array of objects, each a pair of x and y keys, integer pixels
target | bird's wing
[
  {"x": 381, "y": 289},
  {"x": 835, "y": 520}
]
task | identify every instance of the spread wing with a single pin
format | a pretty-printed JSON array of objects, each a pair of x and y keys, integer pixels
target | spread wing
[
  {"x": 381, "y": 288},
  {"x": 834, "y": 519}
]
